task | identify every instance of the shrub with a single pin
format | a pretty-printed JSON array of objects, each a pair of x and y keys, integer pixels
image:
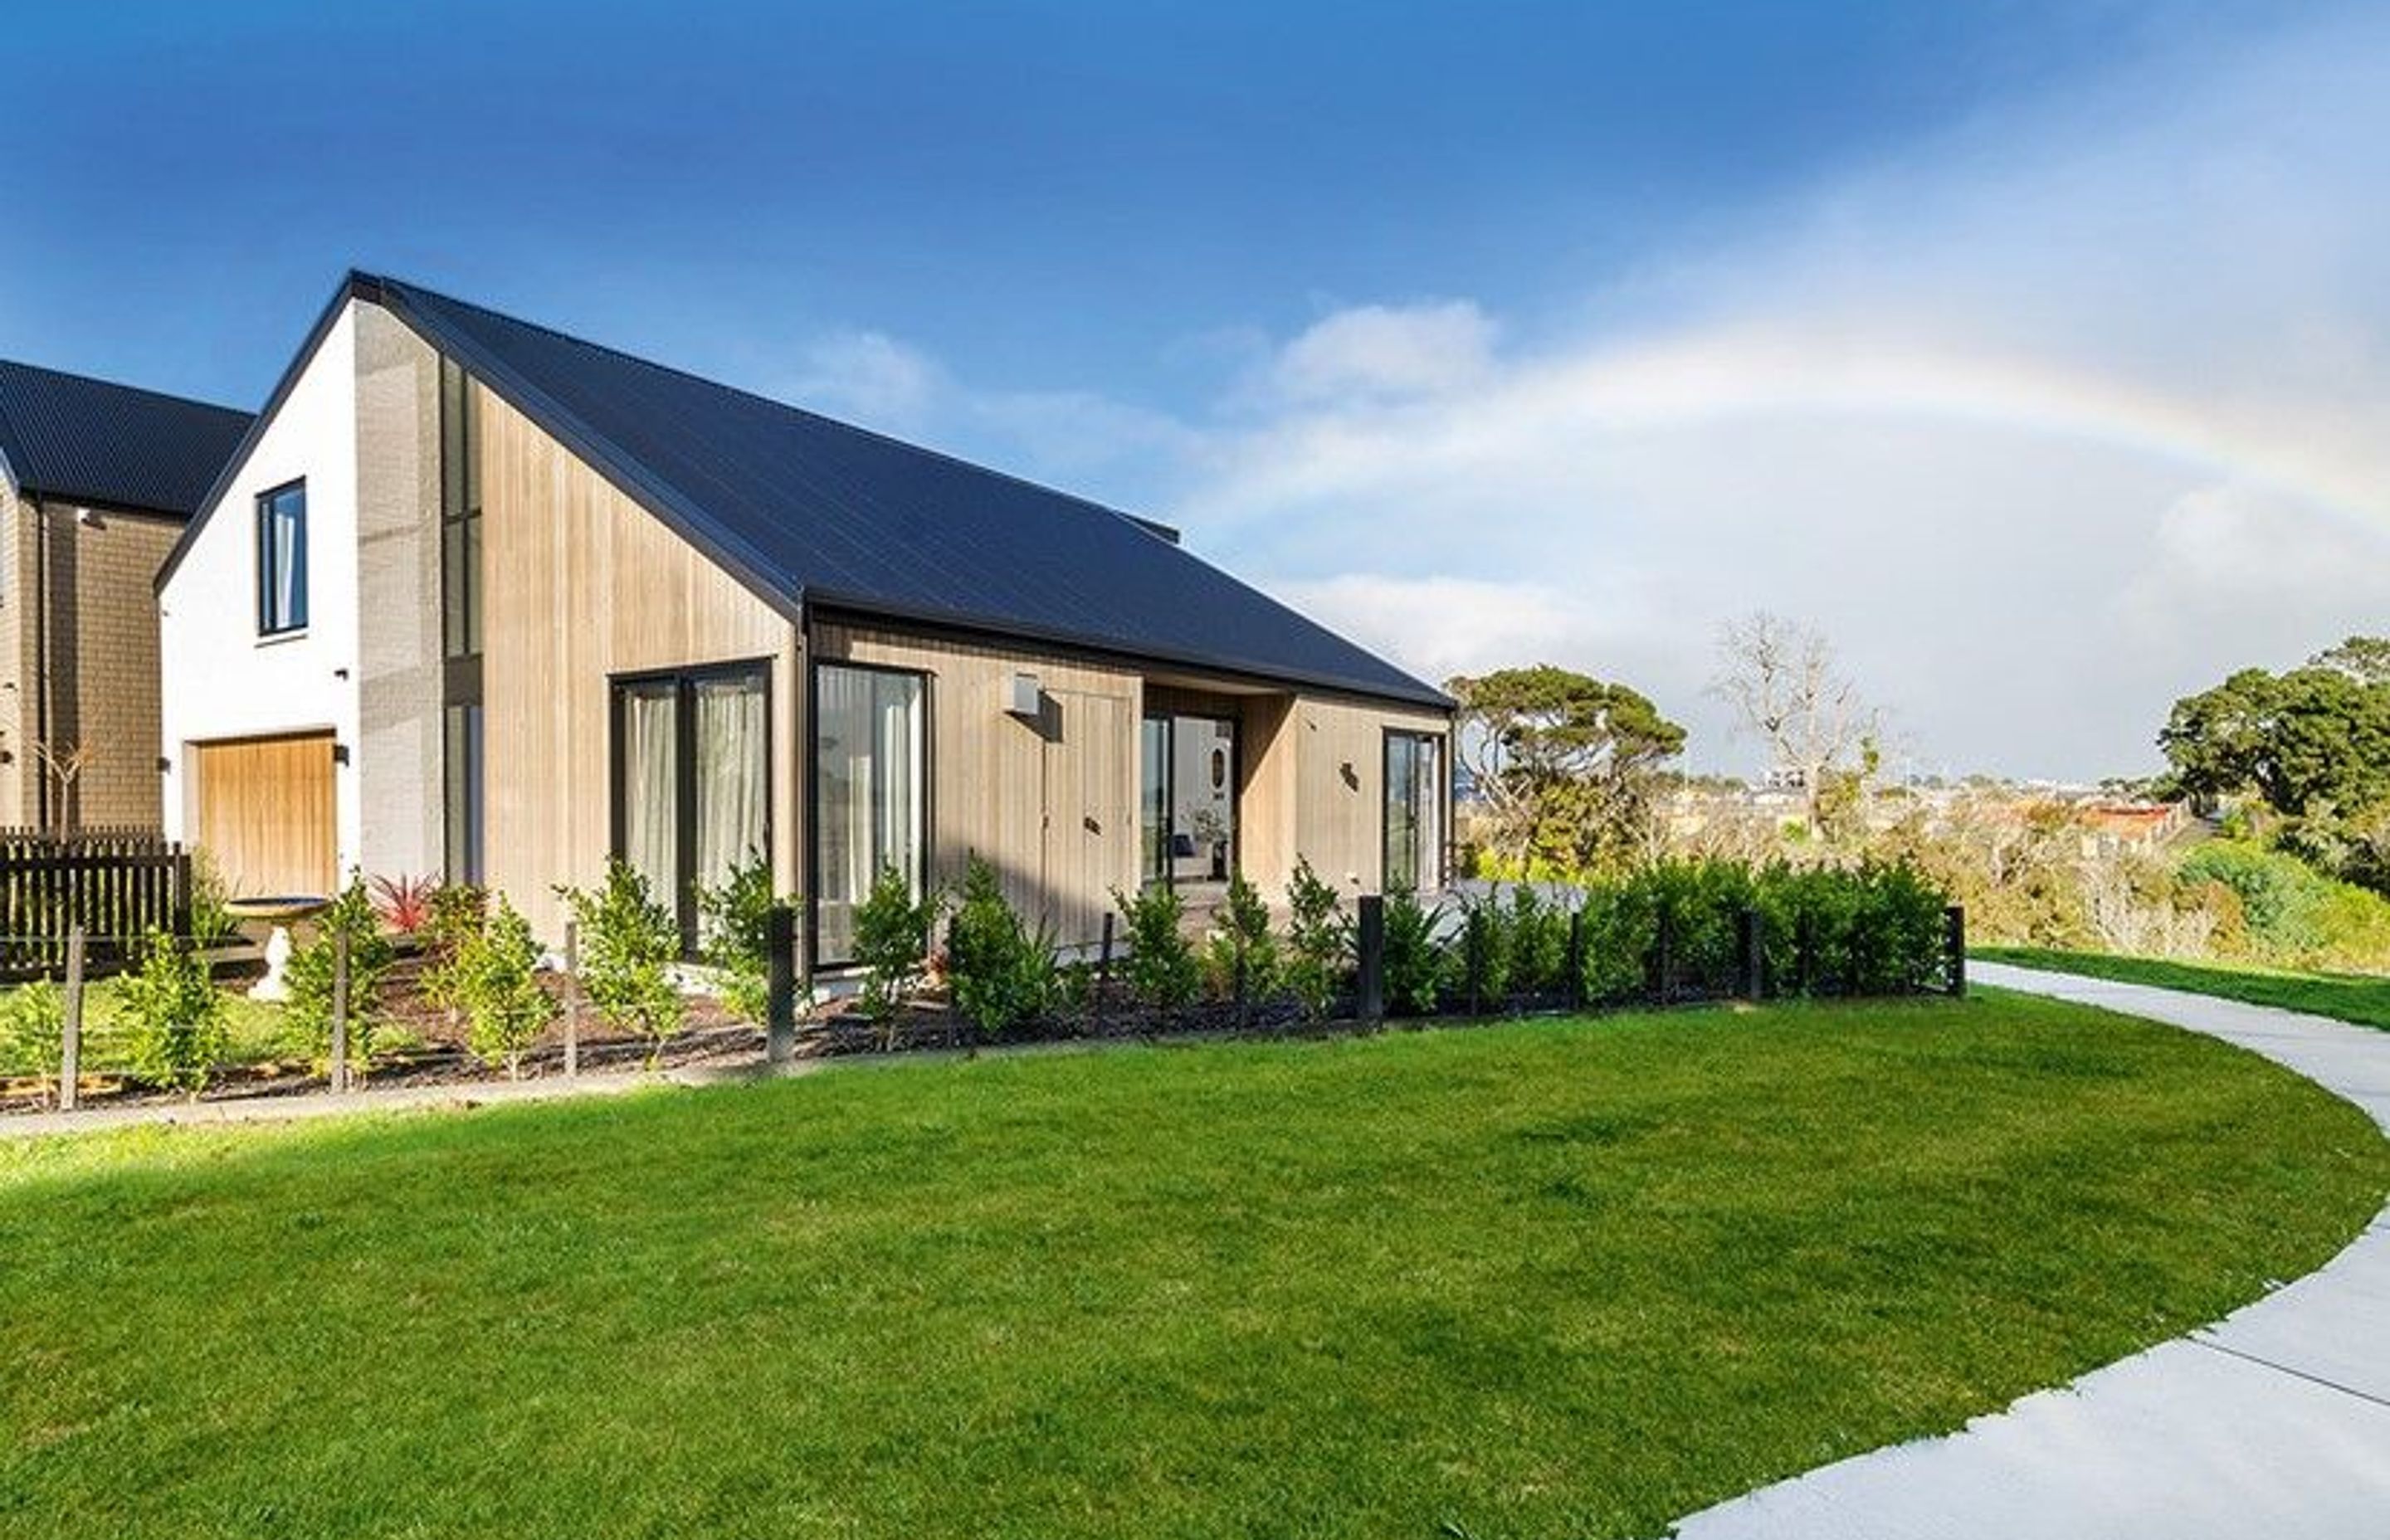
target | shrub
[
  {"x": 308, "y": 1010},
  {"x": 211, "y": 920},
  {"x": 1539, "y": 942},
  {"x": 404, "y": 903},
  {"x": 2294, "y": 916},
  {"x": 175, "y": 1016},
  {"x": 628, "y": 947},
  {"x": 1873, "y": 929},
  {"x": 735, "y": 934},
  {"x": 1161, "y": 968},
  {"x": 497, "y": 984},
  {"x": 1415, "y": 962},
  {"x": 454, "y": 912},
  {"x": 891, "y": 941},
  {"x": 1319, "y": 942},
  {"x": 1483, "y": 951},
  {"x": 1004, "y": 974},
  {"x": 1241, "y": 958},
  {"x": 33, "y": 1031}
]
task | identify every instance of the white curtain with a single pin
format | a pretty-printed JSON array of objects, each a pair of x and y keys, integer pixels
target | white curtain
[
  {"x": 285, "y": 578},
  {"x": 868, "y": 780},
  {"x": 733, "y": 776},
  {"x": 651, "y": 787}
]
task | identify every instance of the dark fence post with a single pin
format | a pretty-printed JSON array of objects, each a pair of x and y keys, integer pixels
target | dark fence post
[
  {"x": 1576, "y": 960},
  {"x": 1805, "y": 954},
  {"x": 1103, "y": 975},
  {"x": 780, "y": 984},
  {"x": 340, "y": 1009},
  {"x": 70, "y": 1027},
  {"x": 1954, "y": 947},
  {"x": 1244, "y": 998},
  {"x": 1665, "y": 958},
  {"x": 571, "y": 999},
  {"x": 1369, "y": 953},
  {"x": 1751, "y": 954}
]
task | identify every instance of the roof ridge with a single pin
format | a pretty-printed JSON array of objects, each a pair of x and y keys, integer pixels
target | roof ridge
[
  {"x": 153, "y": 394},
  {"x": 840, "y": 423}
]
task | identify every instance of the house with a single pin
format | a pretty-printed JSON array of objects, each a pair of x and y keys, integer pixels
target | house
[
  {"x": 480, "y": 598},
  {"x": 97, "y": 483}
]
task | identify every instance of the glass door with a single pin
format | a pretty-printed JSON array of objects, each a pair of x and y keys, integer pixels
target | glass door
[{"x": 1188, "y": 799}]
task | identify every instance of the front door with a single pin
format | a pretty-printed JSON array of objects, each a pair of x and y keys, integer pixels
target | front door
[{"x": 1188, "y": 794}]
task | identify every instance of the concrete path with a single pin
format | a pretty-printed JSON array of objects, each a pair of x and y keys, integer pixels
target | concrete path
[{"x": 2273, "y": 1422}]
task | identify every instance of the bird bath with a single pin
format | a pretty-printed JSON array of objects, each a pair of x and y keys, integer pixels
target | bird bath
[{"x": 282, "y": 910}]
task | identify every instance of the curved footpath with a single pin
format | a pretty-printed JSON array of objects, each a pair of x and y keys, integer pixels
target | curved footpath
[{"x": 2274, "y": 1421}]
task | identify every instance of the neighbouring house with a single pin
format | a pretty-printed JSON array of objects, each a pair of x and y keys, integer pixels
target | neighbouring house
[
  {"x": 480, "y": 598},
  {"x": 97, "y": 481}
]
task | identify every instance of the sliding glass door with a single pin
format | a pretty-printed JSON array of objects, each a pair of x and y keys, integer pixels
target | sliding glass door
[
  {"x": 871, "y": 794},
  {"x": 692, "y": 780},
  {"x": 1414, "y": 852}
]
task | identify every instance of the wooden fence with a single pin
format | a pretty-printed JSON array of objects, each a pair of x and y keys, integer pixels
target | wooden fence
[{"x": 114, "y": 887}]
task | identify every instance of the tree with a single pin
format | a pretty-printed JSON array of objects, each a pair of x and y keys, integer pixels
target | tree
[
  {"x": 1782, "y": 679},
  {"x": 2314, "y": 741},
  {"x": 2363, "y": 659},
  {"x": 1565, "y": 764}
]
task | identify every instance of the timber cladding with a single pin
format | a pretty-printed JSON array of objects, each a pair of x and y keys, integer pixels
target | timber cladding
[
  {"x": 265, "y": 814},
  {"x": 583, "y": 585}
]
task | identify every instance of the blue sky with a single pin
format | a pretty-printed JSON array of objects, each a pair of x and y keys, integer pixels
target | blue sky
[{"x": 1287, "y": 274}]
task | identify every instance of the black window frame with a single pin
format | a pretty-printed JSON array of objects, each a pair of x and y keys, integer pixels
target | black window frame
[
  {"x": 811, "y": 752},
  {"x": 682, "y": 905},
  {"x": 1170, "y": 720},
  {"x": 266, "y": 545},
  {"x": 1438, "y": 856}
]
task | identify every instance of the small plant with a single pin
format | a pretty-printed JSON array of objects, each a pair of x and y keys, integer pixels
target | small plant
[
  {"x": 308, "y": 1011},
  {"x": 734, "y": 930},
  {"x": 175, "y": 1016},
  {"x": 211, "y": 919},
  {"x": 1539, "y": 942},
  {"x": 891, "y": 942},
  {"x": 404, "y": 903},
  {"x": 1161, "y": 968},
  {"x": 1242, "y": 960},
  {"x": 505, "y": 1009},
  {"x": 1003, "y": 972},
  {"x": 1414, "y": 963},
  {"x": 453, "y": 914},
  {"x": 1319, "y": 942},
  {"x": 628, "y": 947},
  {"x": 33, "y": 1032}
]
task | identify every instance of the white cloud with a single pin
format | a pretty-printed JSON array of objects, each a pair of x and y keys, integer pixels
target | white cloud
[
  {"x": 871, "y": 377},
  {"x": 1373, "y": 352}
]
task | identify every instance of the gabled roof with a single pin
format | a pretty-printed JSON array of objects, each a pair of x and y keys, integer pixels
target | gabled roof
[
  {"x": 814, "y": 512},
  {"x": 87, "y": 441}
]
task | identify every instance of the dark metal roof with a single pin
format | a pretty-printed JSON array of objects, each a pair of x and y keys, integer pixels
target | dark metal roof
[
  {"x": 811, "y": 511},
  {"x": 87, "y": 441}
]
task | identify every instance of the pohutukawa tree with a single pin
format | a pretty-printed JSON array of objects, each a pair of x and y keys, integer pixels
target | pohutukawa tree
[{"x": 1565, "y": 765}]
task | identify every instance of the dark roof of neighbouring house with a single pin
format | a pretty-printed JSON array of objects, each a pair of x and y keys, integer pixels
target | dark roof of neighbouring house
[
  {"x": 814, "y": 512},
  {"x": 87, "y": 441}
]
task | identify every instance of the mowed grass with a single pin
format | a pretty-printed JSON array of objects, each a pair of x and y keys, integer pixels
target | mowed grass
[
  {"x": 1558, "y": 1278},
  {"x": 2358, "y": 997}
]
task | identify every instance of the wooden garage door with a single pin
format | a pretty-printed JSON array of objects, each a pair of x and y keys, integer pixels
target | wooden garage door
[{"x": 265, "y": 814}]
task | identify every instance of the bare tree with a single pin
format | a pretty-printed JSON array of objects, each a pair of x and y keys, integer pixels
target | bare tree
[
  {"x": 1786, "y": 687},
  {"x": 62, "y": 765}
]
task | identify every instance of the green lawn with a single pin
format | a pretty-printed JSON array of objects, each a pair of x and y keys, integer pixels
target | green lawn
[
  {"x": 1557, "y": 1278},
  {"x": 2358, "y": 997}
]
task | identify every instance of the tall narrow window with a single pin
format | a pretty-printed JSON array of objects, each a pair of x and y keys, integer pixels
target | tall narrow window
[
  {"x": 462, "y": 752},
  {"x": 1414, "y": 852},
  {"x": 869, "y": 782},
  {"x": 282, "y": 560},
  {"x": 460, "y": 513},
  {"x": 1188, "y": 800},
  {"x": 693, "y": 780},
  {"x": 460, "y": 619}
]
